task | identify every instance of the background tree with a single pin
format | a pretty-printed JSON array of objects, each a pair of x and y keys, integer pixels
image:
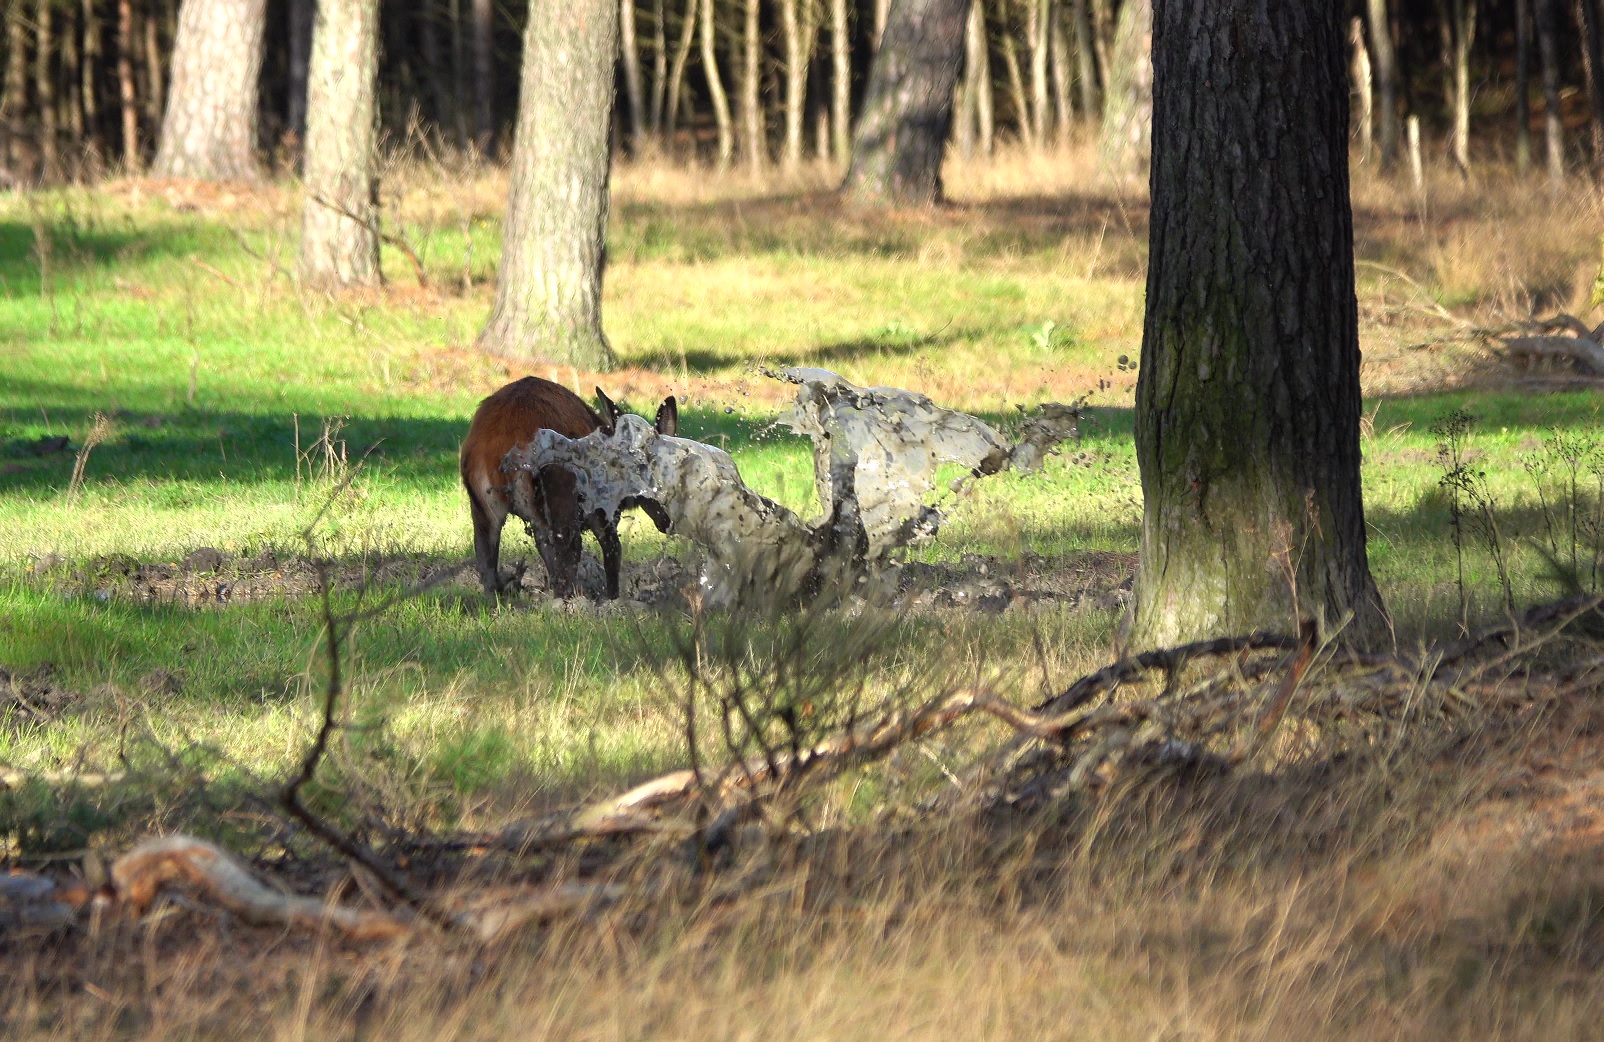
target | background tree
[
  {"x": 338, "y": 241},
  {"x": 548, "y": 286},
  {"x": 1384, "y": 66},
  {"x": 1247, "y": 403},
  {"x": 1128, "y": 102},
  {"x": 907, "y": 111},
  {"x": 209, "y": 129}
]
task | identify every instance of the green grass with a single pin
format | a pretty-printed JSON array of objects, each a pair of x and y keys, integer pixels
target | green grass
[{"x": 217, "y": 369}]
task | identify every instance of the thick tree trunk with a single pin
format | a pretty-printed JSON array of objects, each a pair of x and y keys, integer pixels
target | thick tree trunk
[
  {"x": 1547, "y": 21},
  {"x": 300, "y": 63},
  {"x": 840, "y": 82},
  {"x": 1384, "y": 61},
  {"x": 1248, "y": 402},
  {"x": 1085, "y": 61},
  {"x": 676, "y": 75},
  {"x": 634, "y": 82},
  {"x": 1587, "y": 20},
  {"x": 907, "y": 112},
  {"x": 753, "y": 134},
  {"x": 1523, "y": 85},
  {"x": 715, "y": 87},
  {"x": 484, "y": 116},
  {"x": 548, "y": 287},
  {"x": 1128, "y": 101},
  {"x": 44, "y": 91},
  {"x": 339, "y": 244},
  {"x": 799, "y": 28},
  {"x": 209, "y": 130},
  {"x": 132, "y": 161}
]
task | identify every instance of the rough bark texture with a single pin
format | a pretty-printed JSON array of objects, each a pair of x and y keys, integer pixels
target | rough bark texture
[
  {"x": 1547, "y": 20},
  {"x": 209, "y": 130},
  {"x": 1247, "y": 412},
  {"x": 548, "y": 287},
  {"x": 1128, "y": 102},
  {"x": 902, "y": 132},
  {"x": 338, "y": 243},
  {"x": 1384, "y": 63}
]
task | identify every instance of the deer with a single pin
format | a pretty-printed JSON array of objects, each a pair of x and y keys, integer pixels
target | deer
[{"x": 547, "y": 503}]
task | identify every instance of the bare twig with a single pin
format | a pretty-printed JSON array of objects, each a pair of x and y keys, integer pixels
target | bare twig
[{"x": 373, "y": 226}]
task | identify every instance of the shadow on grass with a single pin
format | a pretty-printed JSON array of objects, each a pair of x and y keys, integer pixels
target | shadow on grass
[{"x": 72, "y": 248}]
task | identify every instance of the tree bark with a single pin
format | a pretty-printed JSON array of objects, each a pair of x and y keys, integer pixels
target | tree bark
[
  {"x": 1587, "y": 20},
  {"x": 1384, "y": 62},
  {"x": 44, "y": 91},
  {"x": 715, "y": 87},
  {"x": 300, "y": 58},
  {"x": 1085, "y": 61},
  {"x": 1248, "y": 401},
  {"x": 907, "y": 112},
  {"x": 1036, "y": 37},
  {"x": 654, "y": 107},
  {"x": 753, "y": 134},
  {"x": 840, "y": 82},
  {"x": 799, "y": 28},
  {"x": 125, "y": 87},
  {"x": 339, "y": 246},
  {"x": 1547, "y": 21},
  {"x": 1128, "y": 101},
  {"x": 548, "y": 287},
  {"x": 209, "y": 130},
  {"x": 1523, "y": 85},
  {"x": 484, "y": 115}
]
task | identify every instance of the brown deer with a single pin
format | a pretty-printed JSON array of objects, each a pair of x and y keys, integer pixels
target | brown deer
[{"x": 548, "y": 503}]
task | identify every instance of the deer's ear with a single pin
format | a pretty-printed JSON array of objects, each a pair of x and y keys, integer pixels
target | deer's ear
[
  {"x": 609, "y": 408},
  {"x": 667, "y": 421}
]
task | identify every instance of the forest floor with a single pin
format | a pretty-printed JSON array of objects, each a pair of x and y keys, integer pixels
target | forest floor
[{"x": 160, "y": 621}]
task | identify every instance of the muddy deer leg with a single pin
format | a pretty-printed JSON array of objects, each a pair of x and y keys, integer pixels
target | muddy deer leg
[
  {"x": 612, "y": 550},
  {"x": 487, "y": 526}
]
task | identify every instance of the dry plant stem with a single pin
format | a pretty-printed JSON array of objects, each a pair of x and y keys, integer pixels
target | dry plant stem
[{"x": 385, "y": 237}]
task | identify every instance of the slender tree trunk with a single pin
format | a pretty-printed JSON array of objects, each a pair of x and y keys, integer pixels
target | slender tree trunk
[
  {"x": 44, "y": 90},
  {"x": 1248, "y": 401},
  {"x": 72, "y": 75},
  {"x": 209, "y": 130},
  {"x": 907, "y": 112},
  {"x": 753, "y": 136},
  {"x": 974, "y": 85},
  {"x": 1128, "y": 102},
  {"x": 1587, "y": 20},
  {"x": 1016, "y": 88},
  {"x": 1384, "y": 61},
  {"x": 1085, "y": 62},
  {"x": 90, "y": 84},
  {"x": 882, "y": 12},
  {"x": 676, "y": 75},
  {"x": 338, "y": 242},
  {"x": 1036, "y": 36},
  {"x": 654, "y": 117},
  {"x": 155, "y": 74},
  {"x": 1062, "y": 77},
  {"x": 799, "y": 28},
  {"x": 715, "y": 88},
  {"x": 1462, "y": 15},
  {"x": 634, "y": 90},
  {"x": 132, "y": 163},
  {"x": 548, "y": 288},
  {"x": 1103, "y": 38},
  {"x": 1523, "y": 85},
  {"x": 977, "y": 45},
  {"x": 1360, "y": 71},
  {"x": 459, "y": 76},
  {"x": 1547, "y": 21},
  {"x": 484, "y": 116},
  {"x": 840, "y": 82},
  {"x": 300, "y": 58},
  {"x": 14, "y": 98}
]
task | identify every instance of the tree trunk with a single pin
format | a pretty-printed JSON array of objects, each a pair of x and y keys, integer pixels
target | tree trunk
[
  {"x": 654, "y": 117},
  {"x": 966, "y": 113},
  {"x": 72, "y": 111},
  {"x": 339, "y": 246},
  {"x": 459, "y": 76},
  {"x": 1016, "y": 88},
  {"x": 1523, "y": 85},
  {"x": 907, "y": 112},
  {"x": 634, "y": 89},
  {"x": 548, "y": 288},
  {"x": 882, "y": 13},
  {"x": 751, "y": 108},
  {"x": 1248, "y": 402},
  {"x": 798, "y": 26},
  {"x": 977, "y": 47},
  {"x": 300, "y": 57},
  {"x": 88, "y": 81},
  {"x": 1384, "y": 62},
  {"x": 1061, "y": 75},
  {"x": 209, "y": 130},
  {"x": 1359, "y": 69},
  {"x": 14, "y": 98},
  {"x": 125, "y": 87},
  {"x": 1460, "y": 36},
  {"x": 155, "y": 76},
  {"x": 1547, "y": 20},
  {"x": 1085, "y": 61},
  {"x": 1103, "y": 38},
  {"x": 715, "y": 88},
  {"x": 44, "y": 91},
  {"x": 484, "y": 116},
  {"x": 1128, "y": 101},
  {"x": 1587, "y": 20},
  {"x": 1036, "y": 19},
  {"x": 676, "y": 75},
  {"x": 840, "y": 82}
]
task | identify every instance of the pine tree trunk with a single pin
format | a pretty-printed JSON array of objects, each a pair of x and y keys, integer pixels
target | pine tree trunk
[
  {"x": 977, "y": 47},
  {"x": 155, "y": 75},
  {"x": 44, "y": 91},
  {"x": 300, "y": 59},
  {"x": 89, "y": 85},
  {"x": 484, "y": 116},
  {"x": 659, "y": 71},
  {"x": 209, "y": 130},
  {"x": 72, "y": 111},
  {"x": 132, "y": 160},
  {"x": 1248, "y": 401},
  {"x": 798, "y": 28},
  {"x": 676, "y": 75},
  {"x": 1463, "y": 16},
  {"x": 1062, "y": 105},
  {"x": 634, "y": 89},
  {"x": 840, "y": 82},
  {"x": 1016, "y": 88},
  {"x": 1036, "y": 22},
  {"x": 1523, "y": 85},
  {"x": 339, "y": 246},
  {"x": 1587, "y": 20},
  {"x": 1547, "y": 21},
  {"x": 1360, "y": 71},
  {"x": 459, "y": 76},
  {"x": 1085, "y": 62},
  {"x": 753, "y": 134},
  {"x": 715, "y": 87},
  {"x": 1103, "y": 38},
  {"x": 549, "y": 285},
  {"x": 1128, "y": 101},
  {"x": 1384, "y": 62},
  {"x": 902, "y": 133}
]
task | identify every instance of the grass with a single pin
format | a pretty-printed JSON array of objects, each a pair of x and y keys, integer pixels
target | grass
[{"x": 168, "y": 308}]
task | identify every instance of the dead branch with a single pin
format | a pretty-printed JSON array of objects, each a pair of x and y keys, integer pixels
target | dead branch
[{"x": 383, "y": 236}]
